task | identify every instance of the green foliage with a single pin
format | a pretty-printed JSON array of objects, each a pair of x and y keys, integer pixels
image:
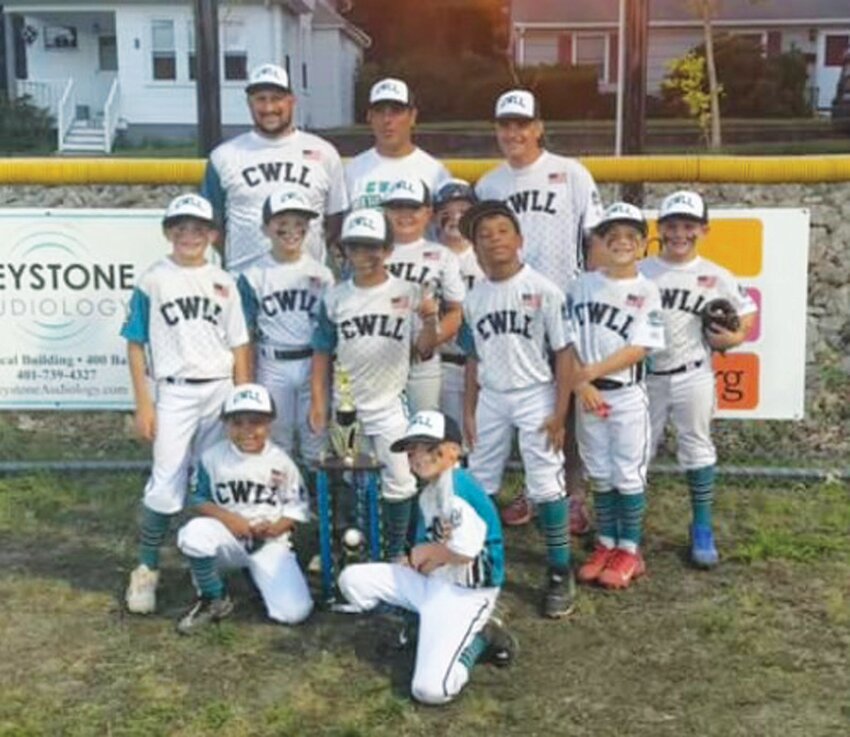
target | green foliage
[
  {"x": 688, "y": 84},
  {"x": 564, "y": 92},
  {"x": 753, "y": 84},
  {"x": 23, "y": 126}
]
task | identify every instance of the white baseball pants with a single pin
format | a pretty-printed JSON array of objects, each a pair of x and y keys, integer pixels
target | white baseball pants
[
  {"x": 273, "y": 567},
  {"x": 452, "y": 392},
  {"x": 382, "y": 429},
  {"x": 187, "y": 423},
  {"x": 496, "y": 415},
  {"x": 289, "y": 384},
  {"x": 423, "y": 385},
  {"x": 449, "y": 618},
  {"x": 615, "y": 450},
  {"x": 688, "y": 399}
]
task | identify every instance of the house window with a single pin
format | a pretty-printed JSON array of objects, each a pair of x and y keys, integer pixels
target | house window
[
  {"x": 835, "y": 47},
  {"x": 107, "y": 53},
  {"x": 191, "y": 57},
  {"x": 235, "y": 51},
  {"x": 164, "y": 57},
  {"x": 590, "y": 51}
]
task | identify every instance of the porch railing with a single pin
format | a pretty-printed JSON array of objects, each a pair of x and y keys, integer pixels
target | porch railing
[
  {"x": 111, "y": 110},
  {"x": 66, "y": 112},
  {"x": 44, "y": 93}
]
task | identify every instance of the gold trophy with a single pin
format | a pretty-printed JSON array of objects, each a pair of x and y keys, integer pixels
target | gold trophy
[{"x": 345, "y": 434}]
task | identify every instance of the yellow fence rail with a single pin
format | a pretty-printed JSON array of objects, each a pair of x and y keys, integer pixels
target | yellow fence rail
[{"x": 737, "y": 169}]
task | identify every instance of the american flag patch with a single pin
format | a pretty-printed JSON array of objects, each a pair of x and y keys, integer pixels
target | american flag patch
[
  {"x": 431, "y": 255},
  {"x": 558, "y": 177},
  {"x": 634, "y": 300},
  {"x": 311, "y": 154},
  {"x": 278, "y": 478},
  {"x": 400, "y": 303},
  {"x": 532, "y": 301},
  {"x": 219, "y": 290},
  {"x": 706, "y": 281}
]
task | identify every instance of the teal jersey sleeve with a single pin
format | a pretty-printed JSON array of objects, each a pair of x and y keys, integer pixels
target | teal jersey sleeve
[
  {"x": 421, "y": 534},
  {"x": 466, "y": 341},
  {"x": 324, "y": 334},
  {"x": 203, "y": 489},
  {"x": 212, "y": 190},
  {"x": 136, "y": 327},
  {"x": 492, "y": 558},
  {"x": 250, "y": 303}
]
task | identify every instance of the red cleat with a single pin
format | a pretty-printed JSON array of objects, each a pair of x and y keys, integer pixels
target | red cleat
[
  {"x": 596, "y": 563},
  {"x": 519, "y": 512},
  {"x": 622, "y": 569}
]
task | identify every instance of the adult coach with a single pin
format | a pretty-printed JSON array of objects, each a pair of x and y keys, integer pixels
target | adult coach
[
  {"x": 392, "y": 116},
  {"x": 274, "y": 155},
  {"x": 557, "y": 203}
]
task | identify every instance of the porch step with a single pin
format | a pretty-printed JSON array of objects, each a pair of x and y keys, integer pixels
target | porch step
[{"x": 84, "y": 137}]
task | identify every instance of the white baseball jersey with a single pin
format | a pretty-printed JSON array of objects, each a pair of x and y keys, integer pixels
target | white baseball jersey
[
  {"x": 604, "y": 315},
  {"x": 257, "y": 486},
  {"x": 281, "y": 300},
  {"x": 556, "y": 201},
  {"x": 190, "y": 318},
  {"x": 463, "y": 518},
  {"x": 510, "y": 326},
  {"x": 685, "y": 289},
  {"x": 244, "y": 171},
  {"x": 370, "y": 330},
  {"x": 470, "y": 273},
  {"x": 369, "y": 176}
]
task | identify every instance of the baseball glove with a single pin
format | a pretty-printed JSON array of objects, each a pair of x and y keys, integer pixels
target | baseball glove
[{"x": 720, "y": 313}]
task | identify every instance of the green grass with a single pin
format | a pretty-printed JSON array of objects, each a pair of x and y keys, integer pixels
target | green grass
[{"x": 760, "y": 646}]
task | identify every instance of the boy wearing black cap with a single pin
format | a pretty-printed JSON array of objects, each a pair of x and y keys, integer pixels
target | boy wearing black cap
[
  {"x": 512, "y": 321},
  {"x": 454, "y": 572}
]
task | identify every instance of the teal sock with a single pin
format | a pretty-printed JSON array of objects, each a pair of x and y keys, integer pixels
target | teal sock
[
  {"x": 701, "y": 486},
  {"x": 396, "y": 525},
  {"x": 207, "y": 578},
  {"x": 605, "y": 509},
  {"x": 473, "y": 651},
  {"x": 154, "y": 528},
  {"x": 553, "y": 519},
  {"x": 631, "y": 508}
]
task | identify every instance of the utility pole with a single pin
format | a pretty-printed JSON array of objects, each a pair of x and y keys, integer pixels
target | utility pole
[
  {"x": 207, "y": 75},
  {"x": 634, "y": 118}
]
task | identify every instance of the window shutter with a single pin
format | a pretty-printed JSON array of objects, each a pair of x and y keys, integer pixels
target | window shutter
[{"x": 565, "y": 49}]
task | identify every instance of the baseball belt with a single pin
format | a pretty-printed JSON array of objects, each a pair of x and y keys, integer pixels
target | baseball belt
[
  {"x": 679, "y": 369},
  {"x": 609, "y": 384},
  {"x": 453, "y": 359},
  {"x": 295, "y": 355},
  {"x": 181, "y": 380}
]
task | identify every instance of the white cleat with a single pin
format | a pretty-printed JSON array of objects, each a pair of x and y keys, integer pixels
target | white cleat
[{"x": 141, "y": 593}]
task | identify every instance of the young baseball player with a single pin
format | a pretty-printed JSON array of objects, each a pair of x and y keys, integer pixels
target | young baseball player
[
  {"x": 613, "y": 320},
  {"x": 281, "y": 295},
  {"x": 681, "y": 379},
  {"x": 248, "y": 499},
  {"x": 556, "y": 203},
  {"x": 368, "y": 322},
  {"x": 432, "y": 268},
  {"x": 186, "y": 333},
  {"x": 451, "y": 201},
  {"x": 512, "y": 320},
  {"x": 454, "y": 572}
]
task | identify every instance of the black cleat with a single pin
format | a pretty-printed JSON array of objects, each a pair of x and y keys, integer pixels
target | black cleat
[
  {"x": 203, "y": 612},
  {"x": 560, "y": 596},
  {"x": 502, "y": 646}
]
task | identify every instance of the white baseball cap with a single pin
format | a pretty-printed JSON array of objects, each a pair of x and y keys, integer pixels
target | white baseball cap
[
  {"x": 683, "y": 204},
  {"x": 429, "y": 426},
  {"x": 267, "y": 75},
  {"x": 252, "y": 398},
  {"x": 390, "y": 90},
  {"x": 407, "y": 192},
  {"x": 621, "y": 212},
  {"x": 287, "y": 201},
  {"x": 517, "y": 104},
  {"x": 188, "y": 205},
  {"x": 367, "y": 225}
]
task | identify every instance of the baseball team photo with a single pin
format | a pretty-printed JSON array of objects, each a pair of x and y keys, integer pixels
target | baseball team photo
[{"x": 434, "y": 368}]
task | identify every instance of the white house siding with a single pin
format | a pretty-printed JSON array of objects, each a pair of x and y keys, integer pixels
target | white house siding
[
  {"x": 664, "y": 46},
  {"x": 328, "y": 106},
  {"x": 81, "y": 63},
  {"x": 149, "y": 101}
]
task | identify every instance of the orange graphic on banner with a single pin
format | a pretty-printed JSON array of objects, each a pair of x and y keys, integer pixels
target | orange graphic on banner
[
  {"x": 734, "y": 244},
  {"x": 737, "y": 380}
]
